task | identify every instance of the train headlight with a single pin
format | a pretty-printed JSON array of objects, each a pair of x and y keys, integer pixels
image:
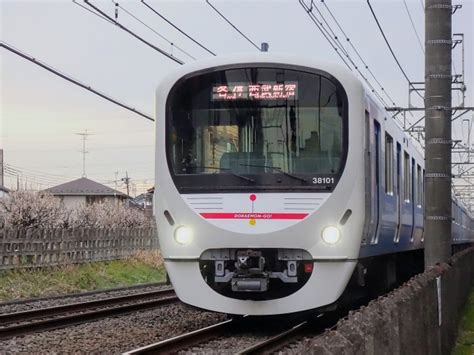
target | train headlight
[
  {"x": 183, "y": 235},
  {"x": 331, "y": 235}
]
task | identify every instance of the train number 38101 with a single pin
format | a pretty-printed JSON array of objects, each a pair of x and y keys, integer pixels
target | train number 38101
[{"x": 323, "y": 180}]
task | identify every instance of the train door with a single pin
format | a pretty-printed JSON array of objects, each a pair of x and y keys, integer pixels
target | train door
[
  {"x": 399, "y": 190},
  {"x": 371, "y": 181},
  {"x": 376, "y": 167},
  {"x": 413, "y": 199}
]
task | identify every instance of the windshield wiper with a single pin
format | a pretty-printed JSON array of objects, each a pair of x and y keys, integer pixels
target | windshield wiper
[
  {"x": 227, "y": 171},
  {"x": 277, "y": 169}
]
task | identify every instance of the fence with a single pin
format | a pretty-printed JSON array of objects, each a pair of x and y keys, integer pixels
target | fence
[
  {"x": 37, "y": 247},
  {"x": 421, "y": 317}
]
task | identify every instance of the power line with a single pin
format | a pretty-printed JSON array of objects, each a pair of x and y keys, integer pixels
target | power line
[
  {"x": 230, "y": 23},
  {"x": 153, "y": 30},
  {"x": 42, "y": 179},
  {"x": 177, "y": 28},
  {"x": 357, "y": 53},
  {"x": 390, "y": 48},
  {"x": 413, "y": 26},
  {"x": 46, "y": 176},
  {"x": 20, "y": 169},
  {"x": 336, "y": 44},
  {"x": 122, "y": 27},
  {"x": 70, "y": 79},
  {"x": 311, "y": 16},
  {"x": 92, "y": 12}
]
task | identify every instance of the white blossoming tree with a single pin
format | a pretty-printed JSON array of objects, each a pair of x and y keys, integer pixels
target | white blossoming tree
[{"x": 29, "y": 209}]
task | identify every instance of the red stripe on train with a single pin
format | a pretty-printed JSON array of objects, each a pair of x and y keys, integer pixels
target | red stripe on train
[{"x": 265, "y": 215}]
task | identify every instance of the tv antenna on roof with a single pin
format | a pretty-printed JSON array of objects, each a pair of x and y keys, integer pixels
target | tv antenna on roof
[{"x": 84, "y": 152}]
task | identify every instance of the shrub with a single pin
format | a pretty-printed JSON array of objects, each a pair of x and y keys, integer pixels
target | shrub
[
  {"x": 33, "y": 209},
  {"x": 29, "y": 209}
]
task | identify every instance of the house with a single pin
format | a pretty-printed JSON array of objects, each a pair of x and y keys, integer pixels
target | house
[
  {"x": 4, "y": 192},
  {"x": 85, "y": 191},
  {"x": 145, "y": 201}
]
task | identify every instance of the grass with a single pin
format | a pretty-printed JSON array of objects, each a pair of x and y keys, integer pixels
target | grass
[
  {"x": 465, "y": 341},
  {"x": 143, "y": 267}
]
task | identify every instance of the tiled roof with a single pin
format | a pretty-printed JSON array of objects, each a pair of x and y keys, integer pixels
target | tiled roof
[{"x": 83, "y": 187}]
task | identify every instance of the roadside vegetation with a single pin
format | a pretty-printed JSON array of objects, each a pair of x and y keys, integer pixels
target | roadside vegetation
[
  {"x": 31, "y": 209},
  {"x": 465, "y": 341},
  {"x": 143, "y": 267}
]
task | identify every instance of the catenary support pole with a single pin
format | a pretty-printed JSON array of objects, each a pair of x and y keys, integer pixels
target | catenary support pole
[{"x": 438, "y": 131}]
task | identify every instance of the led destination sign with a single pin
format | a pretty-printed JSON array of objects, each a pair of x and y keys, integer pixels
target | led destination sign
[{"x": 264, "y": 91}]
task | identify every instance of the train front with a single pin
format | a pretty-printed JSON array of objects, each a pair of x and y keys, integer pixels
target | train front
[{"x": 255, "y": 214}]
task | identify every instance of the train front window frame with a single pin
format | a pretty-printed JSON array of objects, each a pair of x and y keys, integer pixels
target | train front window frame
[{"x": 230, "y": 143}]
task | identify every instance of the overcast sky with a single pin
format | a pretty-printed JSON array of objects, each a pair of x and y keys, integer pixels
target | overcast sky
[{"x": 41, "y": 113}]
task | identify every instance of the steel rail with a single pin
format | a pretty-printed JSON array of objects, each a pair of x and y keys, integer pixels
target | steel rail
[
  {"x": 275, "y": 342},
  {"x": 186, "y": 340},
  {"x": 81, "y": 294},
  {"x": 117, "y": 306},
  {"x": 311, "y": 326}
]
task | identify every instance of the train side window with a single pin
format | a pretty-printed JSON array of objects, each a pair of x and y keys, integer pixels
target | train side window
[
  {"x": 407, "y": 178},
  {"x": 419, "y": 176},
  {"x": 388, "y": 164}
]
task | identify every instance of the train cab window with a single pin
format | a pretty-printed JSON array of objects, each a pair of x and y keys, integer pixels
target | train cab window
[
  {"x": 419, "y": 178},
  {"x": 388, "y": 164},
  {"x": 257, "y": 127},
  {"x": 407, "y": 188}
]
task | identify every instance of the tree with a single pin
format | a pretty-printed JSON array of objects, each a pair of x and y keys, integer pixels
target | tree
[{"x": 29, "y": 209}]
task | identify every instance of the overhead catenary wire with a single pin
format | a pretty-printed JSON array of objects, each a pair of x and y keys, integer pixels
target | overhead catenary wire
[
  {"x": 153, "y": 30},
  {"x": 235, "y": 27},
  {"x": 413, "y": 26},
  {"x": 122, "y": 27},
  {"x": 177, "y": 28},
  {"x": 338, "y": 47},
  {"x": 92, "y": 12},
  {"x": 70, "y": 79},
  {"x": 308, "y": 11},
  {"x": 391, "y": 50},
  {"x": 358, "y": 54}
]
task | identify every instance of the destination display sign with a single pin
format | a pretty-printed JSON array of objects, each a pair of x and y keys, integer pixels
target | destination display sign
[{"x": 262, "y": 91}]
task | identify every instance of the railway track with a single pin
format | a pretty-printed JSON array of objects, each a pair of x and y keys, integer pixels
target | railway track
[
  {"x": 31, "y": 321},
  {"x": 183, "y": 341},
  {"x": 269, "y": 344}
]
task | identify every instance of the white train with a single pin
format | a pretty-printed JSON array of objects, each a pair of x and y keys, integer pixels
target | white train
[{"x": 281, "y": 183}]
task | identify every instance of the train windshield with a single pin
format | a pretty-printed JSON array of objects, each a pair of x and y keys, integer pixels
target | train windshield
[{"x": 257, "y": 127}]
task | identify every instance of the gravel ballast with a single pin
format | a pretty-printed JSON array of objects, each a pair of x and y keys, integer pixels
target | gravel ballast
[{"x": 116, "y": 335}]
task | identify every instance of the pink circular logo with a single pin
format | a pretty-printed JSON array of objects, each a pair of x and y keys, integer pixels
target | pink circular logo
[{"x": 253, "y": 197}]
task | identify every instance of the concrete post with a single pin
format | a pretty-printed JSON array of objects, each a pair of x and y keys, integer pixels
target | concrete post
[{"x": 438, "y": 131}]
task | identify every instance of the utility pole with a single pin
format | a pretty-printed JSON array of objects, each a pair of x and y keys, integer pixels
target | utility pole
[
  {"x": 1, "y": 168},
  {"x": 126, "y": 180},
  {"x": 84, "y": 152},
  {"x": 438, "y": 77}
]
